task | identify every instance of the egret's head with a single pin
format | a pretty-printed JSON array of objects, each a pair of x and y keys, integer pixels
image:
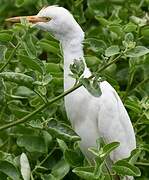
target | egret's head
[{"x": 58, "y": 21}]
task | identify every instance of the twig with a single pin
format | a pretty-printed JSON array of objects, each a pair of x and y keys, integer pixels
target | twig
[
  {"x": 139, "y": 84},
  {"x": 130, "y": 79},
  {"x": 9, "y": 58},
  {"x": 43, "y": 106},
  {"x": 43, "y": 99},
  {"x": 42, "y": 162}
]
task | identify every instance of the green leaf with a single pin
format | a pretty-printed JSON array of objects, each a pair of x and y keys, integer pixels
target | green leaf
[
  {"x": 107, "y": 149},
  {"x": 145, "y": 31},
  {"x": 84, "y": 172},
  {"x": 129, "y": 37},
  {"x": 19, "y": 78},
  {"x": 29, "y": 45},
  {"x": 130, "y": 27},
  {"x": 10, "y": 170},
  {"x": 93, "y": 87},
  {"x": 139, "y": 21},
  {"x": 102, "y": 20},
  {"x": 78, "y": 67},
  {"x": 60, "y": 170},
  {"x": 25, "y": 167},
  {"x": 116, "y": 29},
  {"x": 47, "y": 177},
  {"x": 133, "y": 105},
  {"x": 96, "y": 45},
  {"x": 122, "y": 167},
  {"x": 73, "y": 158},
  {"x": 112, "y": 50},
  {"x": 6, "y": 156},
  {"x": 5, "y": 37},
  {"x": 92, "y": 61},
  {"x": 19, "y": 3},
  {"x": 137, "y": 51},
  {"x": 53, "y": 68},
  {"x": 32, "y": 143},
  {"x": 62, "y": 145},
  {"x": 45, "y": 81},
  {"x": 100, "y": 168},
  {"x": 34, "y": 64},
  {"x": 49, "y": 46},
  {"x": 20, "y": 130},
  {"x": 3, "y": 50},
  {"x": 62, "y": 131}
]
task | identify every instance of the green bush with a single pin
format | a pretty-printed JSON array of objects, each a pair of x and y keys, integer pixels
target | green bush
[{"x": 35, "y": 133}]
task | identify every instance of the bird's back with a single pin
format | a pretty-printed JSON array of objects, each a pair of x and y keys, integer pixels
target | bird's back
[{"x": 104, "y": 116}]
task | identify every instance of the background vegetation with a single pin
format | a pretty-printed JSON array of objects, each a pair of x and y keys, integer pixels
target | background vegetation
[{"x": 31, "y": 78}]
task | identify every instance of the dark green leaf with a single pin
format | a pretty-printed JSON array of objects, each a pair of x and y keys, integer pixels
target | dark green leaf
[
  {"x": 122, "y": 167},
  {"x": 32, "y": 143},
  {"x": 34, "y": 64},
  {"x": 18, "y": 78},
  {"x": 5, "y": 37},
  {"x": 73, "y": 158},
  {"x": 19, "y": 3},
  {"x": 3, "y": 50},
  {"x": 60, "y": 170},
  {"x": 62, "y": 131},
  {"x": 49, "y": 46},
  {"x": 92, "y": 86},
  {"x": 78, "y": 67},
  {"x": 10, "y": 170}
]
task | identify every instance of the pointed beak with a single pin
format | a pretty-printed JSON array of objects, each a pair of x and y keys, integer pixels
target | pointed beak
[{"x": 31, "y": 19}]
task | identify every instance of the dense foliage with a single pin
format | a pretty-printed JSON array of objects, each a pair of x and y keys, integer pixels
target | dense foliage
[{"x": 38, "y": 140}]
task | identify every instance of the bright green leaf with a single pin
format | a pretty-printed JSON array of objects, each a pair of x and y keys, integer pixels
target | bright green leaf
[
  {"x": 112, "y": 50},
  {"x": 137, "y": 51},
  {"x": 122, "y": 167},
  {"x": 85, "y": 172}
]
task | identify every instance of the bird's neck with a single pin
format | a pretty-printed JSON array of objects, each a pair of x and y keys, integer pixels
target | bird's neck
[{"x": 72, "y": 49}]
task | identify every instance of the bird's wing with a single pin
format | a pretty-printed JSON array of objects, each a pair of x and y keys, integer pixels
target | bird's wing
[{"x": 114, "y": 123}]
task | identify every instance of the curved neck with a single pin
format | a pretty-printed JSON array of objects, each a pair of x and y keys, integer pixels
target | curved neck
[{"x": 72, "y": 49}]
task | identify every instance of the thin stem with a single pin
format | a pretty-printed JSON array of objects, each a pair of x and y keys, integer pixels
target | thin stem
[
  {"x": 9, "y": 58},
  {"x": 140, "y": 84},
  {"x": 32, "y": 178},
  {"x": 108, "y": 170},
  {"x": 43, "y": 106},
  {"x": 43, "y": 99},
  {"x": 42, "y": 162},
  {"x": 107, "y": 65},
  {"x": 142, "y": 163},
  {"x": 130, "y": 79},
  {"x": 139, "y": 119}
]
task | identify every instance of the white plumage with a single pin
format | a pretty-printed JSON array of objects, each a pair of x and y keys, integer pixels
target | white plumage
[{"x": 91, "y": 117}]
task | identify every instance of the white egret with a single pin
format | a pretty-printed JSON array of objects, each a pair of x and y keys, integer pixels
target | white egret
[{"x": 91, "y": 117}]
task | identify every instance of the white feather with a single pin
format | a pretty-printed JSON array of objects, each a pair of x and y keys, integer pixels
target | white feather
[{"x": 91, "y": 117}]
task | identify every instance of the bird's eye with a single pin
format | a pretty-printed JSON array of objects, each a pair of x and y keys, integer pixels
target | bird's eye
[{"x": 47, "y": 19}]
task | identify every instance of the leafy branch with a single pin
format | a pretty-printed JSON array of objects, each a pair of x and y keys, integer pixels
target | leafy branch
[
  {"x": 43, "y": 106},
  {"x": 10, "y": 57}
]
